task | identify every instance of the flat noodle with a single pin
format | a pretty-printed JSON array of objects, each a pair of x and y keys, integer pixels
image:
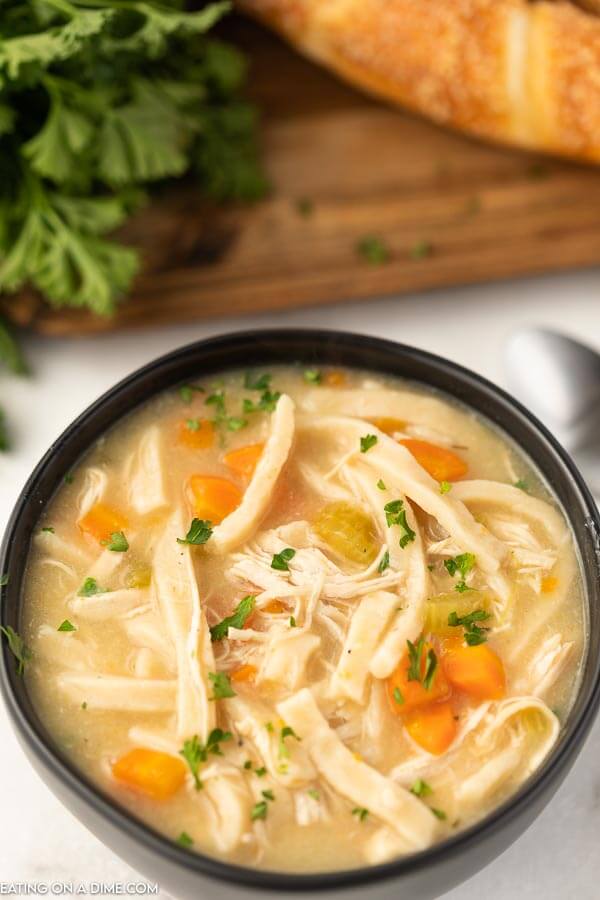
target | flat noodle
[
  {"x": 118, "y": 693},
  {"x": 287, "y": 657},
  {"x": 239, "y": 525},
  {"x": 144, "y": 474},
  {"x": 178, "y": 603},
  {"x": 108, "y": 604},
  {"x": 360, "y": 783}
]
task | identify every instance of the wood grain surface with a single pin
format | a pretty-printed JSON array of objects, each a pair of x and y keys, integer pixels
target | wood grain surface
[{"x": 344, "y": 167}]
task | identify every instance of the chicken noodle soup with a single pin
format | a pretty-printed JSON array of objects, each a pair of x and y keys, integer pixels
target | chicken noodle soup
[{"x": 304, "y": 620}]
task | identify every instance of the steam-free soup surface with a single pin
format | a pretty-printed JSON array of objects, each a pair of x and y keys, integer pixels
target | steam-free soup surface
[{"x": 304, "y": 620}]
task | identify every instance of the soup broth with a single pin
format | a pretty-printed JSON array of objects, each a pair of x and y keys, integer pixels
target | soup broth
[{"x": 304, "y": 620}]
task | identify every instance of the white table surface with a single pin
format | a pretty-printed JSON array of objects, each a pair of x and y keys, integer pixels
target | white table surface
[{"x": 39, "y": 840}]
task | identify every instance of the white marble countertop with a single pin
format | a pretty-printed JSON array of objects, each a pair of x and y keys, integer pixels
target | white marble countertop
[{"x": 39, "y": 840}]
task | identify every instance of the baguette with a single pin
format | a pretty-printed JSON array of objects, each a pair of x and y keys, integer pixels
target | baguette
[{"x": 517, "y": 72}]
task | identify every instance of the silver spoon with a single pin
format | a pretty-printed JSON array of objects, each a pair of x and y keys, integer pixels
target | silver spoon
[{"x": 558, "y": 379}]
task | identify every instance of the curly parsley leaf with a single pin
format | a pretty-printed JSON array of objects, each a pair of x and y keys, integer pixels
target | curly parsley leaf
[
  {"x": 280, "y": 560},
  {"x": 17, "y": 647},
  {"x": 237, "y": 619},
  {"x": 199, "y": 532},
  {"x": 221, "y": 683},
  {"x": 395, "y": 514}
]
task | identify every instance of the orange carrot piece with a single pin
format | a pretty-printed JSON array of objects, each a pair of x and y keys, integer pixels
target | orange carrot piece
[
  {"x": 197, "y": 434},
  {"x": 246, "y": 672},
  {"x": 214, "y": 498},
  {"x": 477, "y": 671},
  {"x": 405, "y": 695},
  {"x": 388, "y": 425},
  {"x": 432, "y": 727},
  {"x": 158, "y": 775},
  {"x": 243, "y": 461},
  {"x": 441, "y": 463},
  {"x": 101, "y": 521},
  {"x": 274, "y": 606},
  {"x": 549, "y": 584},
  {"x": 335, "y": 378}
]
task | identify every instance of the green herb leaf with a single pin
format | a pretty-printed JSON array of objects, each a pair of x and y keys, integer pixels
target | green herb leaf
[
  {"x": 184, "y": 840},
  {"x": 280, "y": 560},
  {"x": 385, "y": 562},
  {"x": 260, "y": 773},
  {"x": 10, "y": 353},
  {"x": 292, "y": 622},
  {"x": 199, "y": 533},
  {"x": 195, "y": 752},
  {"x": 398, "y": 698},
  {"x": 267, "y": 402},
  {"x": 17, "y": 647},
  {"x": 462, "y": 565},
  {"x": 186, "y": 392},
  {"x": 368, "y": 441},
  {"x": 439, "y": 813},
  {"x": 421, "y": 789},
  {"x": 415, "y": 663},
  {"x": 430, "y": 667},
  {"x": 118, "y": 542},
  {"x": 395, "y": 514},
  {"x": 66, "y": 626},
  {"x": 381, "y": 485},
  {"x": 360, "y": 812},
  {"x": 445, "y": 487},
  {"x": 286, "y": 731},
  {"x": 221, "y": 686},
  {"x": 313, "y": 376},
  {"x": 259, "y": 811},
  {"x": 90, "y": 587},
  {"x": 268, "y": 795},
  {"x": 522, "y": 485},
  {"x": 48, "y": 529},
  {"x": 237, "y": 619},
  {"x": 257, "y": 382},
  {"x": 474, "y": 633}
]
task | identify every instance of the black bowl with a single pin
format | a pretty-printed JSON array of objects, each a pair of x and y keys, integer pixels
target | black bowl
[{"x": 185, "y": 874}]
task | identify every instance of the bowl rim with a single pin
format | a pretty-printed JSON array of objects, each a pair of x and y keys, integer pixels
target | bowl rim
[{"x": 318, "y": 342}]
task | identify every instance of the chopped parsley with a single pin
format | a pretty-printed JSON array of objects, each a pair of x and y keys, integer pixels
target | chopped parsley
[
  {"x": 415, "y": 663},
  {"x": 439, "y": 813},
  {"x": 49, "y": 529},
  {"x": 522, "y": 485},
  {"x": 280, "y": 560},
  {"x": 66, "y": 626},
  {"x": 236, "y": 620},
  {"x": 397, "y": 695},
  {"x": 266, "y": 403},
  {"x": 184, "y": 840},
  {"x": 195, "y": 752},
  {"x": 374, "y": 250},
  {"x": 90, "y": 587},
  {"x": 186, "y": 392},
  {"x": 381, "y": 485},
  {"x": 269, "y": 727},
  {"x": 292, "y": 622},
  {"x": 199, "y": 532},
  {"x": 118, "y": 543},
  {"x": 395, "y": 514},
  {"x": 360, "y": 812},
  {"x": 17, "y": 647},
  {"x": 222, "y": 419},
  {"x": 445, "y": 487},
  {"x": 257, "y": 382},
  {"x": 313, "y": 376},
  {"x": 259, "y": 811},
  {"x": 84, "y": 704},
  {"x": 268, "y": 795},
  {"x": 221, "y": 686},
  {"x": 474, "y": 633},
  {"x": 192, "y": 424},
  {"x": 421, "y": 789},
  {"x": 461, "y": 564},
  {"x": 286, "y": 731},
  {"x": 421, "y": 250},
  {"x": 248, "y": 764},
  {"x": 368, "y": 441},
  {"x": 261, "y": 772},
  {"x": 384, "y": 563}
]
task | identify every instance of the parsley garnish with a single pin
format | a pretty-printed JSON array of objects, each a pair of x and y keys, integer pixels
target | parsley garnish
[
  {"x": 381, "y": 485},
  {"x": 420, "y": 788},
  {"x": 360, "y": 812},
  {"x": 397, "y": 694},
  {"x": 66, "y": 626},
  {"x": 269, "y": 727},
  {"x": 260, "y": 773},
  {"x": 118, "y": 542},
  {"x": 445, "y": 487},
  {"x": 374, "y": 250},
  {"x": 280, "y": 560},
  {"x": 395, "y": 514},
  {"x": 266, "y": 403},
  {"x": 259, "y": 811},
  {"x": 222, "y": 419},
  {"x": 313, "y": 376},
  {"x": 49, "y": 529},
  {"x": 221, "y": 686},
  {"x": 248, "y": 764},
  {"x": 186, "y": 392},
  {"x": 522, "y": 485},
  {"x": 257, "y": 383},
  {"x": 236, "y": 620},
  {"x": 192, "y": 424},
  {"x": 286, "y": 731},
  {"x": 292, "y": 622},
  {"x": 195, "y": 752},
  {"x": 368, "y": 441},
  {"x": 268, "y": 795},
  {"x": 90, "y": 587},
  {"x": 384, "y": 563},
  {"x": 415, "y": 660},
  {"x": 474, "y": 634},
  {"x": 17, "y": 647},
  {"x": 184, "y": 840},
  {"x": 463, "y": 565},
  {"x": 439, "y": 813},
  {"x": 430, "y": 667},
  {"x": 199, "y": 532}
]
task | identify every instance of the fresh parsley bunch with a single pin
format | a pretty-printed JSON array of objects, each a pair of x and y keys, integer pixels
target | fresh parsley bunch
[{"x": 100, "y": 100}]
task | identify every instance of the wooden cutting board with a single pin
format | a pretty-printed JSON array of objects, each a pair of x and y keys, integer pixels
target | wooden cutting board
[{"x": 344, "y": 167}]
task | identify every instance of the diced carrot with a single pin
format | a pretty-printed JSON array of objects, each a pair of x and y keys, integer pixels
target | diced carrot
[
  {"x": 214, "y": 498},
  {"x": 441, "y": 463},
  {"x": 388, "y": 425},
  {"x": 477, "y": 671},
  {"x": 158, "y": 775},
  {"x": 549, "y": 584},
  {"x": 197, "y": 434},
  {"x": 274, "y": 606},
  {"x": 335, "y": 378},
  {"x": 405, "y": 695},
  {"x": 243, "y": 461},
  {"x": 432, "y": 727},
  {"x": 102, "y": 521},
  {"x": 244, "y": 673}
]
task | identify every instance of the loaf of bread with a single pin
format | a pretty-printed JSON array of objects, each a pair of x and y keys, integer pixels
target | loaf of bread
[{"x": 523, "y": 73}]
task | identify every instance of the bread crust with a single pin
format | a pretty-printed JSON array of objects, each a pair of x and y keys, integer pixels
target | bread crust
[{"x": 510, "y": 70}]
